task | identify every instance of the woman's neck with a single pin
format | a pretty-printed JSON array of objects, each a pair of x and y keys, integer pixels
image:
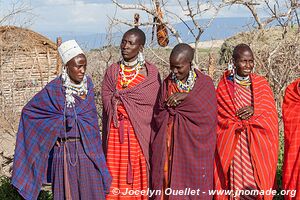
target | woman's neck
[
  {"x": 74, "y": 82},
  {"x": 185, "y": 79},
  {"x": 242, "y": 78},
  {"x": 130, "y": 63}
]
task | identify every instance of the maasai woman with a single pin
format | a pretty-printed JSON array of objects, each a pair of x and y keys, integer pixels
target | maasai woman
[
  {"x": 63, "y": 118},
  {"x": 129, "y": 94},
  {"x": 291, "y": 119},
  {"x": 183, "y": 142},
  {"x": 247, "y": 137}
]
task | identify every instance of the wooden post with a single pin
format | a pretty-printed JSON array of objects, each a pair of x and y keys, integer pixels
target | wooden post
[
  {"x": 39, "y": 67},
  {"x": 136, "y": 20},
  {"x": 211, "y": 65},
  {"x": 1, "y": 86},
  {"x": 13, "y": 105},
  {"x": 49, "y": 64},
  {"x": 58, "y": 59}
]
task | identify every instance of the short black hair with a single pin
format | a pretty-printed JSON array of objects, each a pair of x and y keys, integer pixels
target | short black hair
[
  {"x": 183, "y": 48},
  {"x": 239, "y": 49},
  {"x": 136, "y": 31}
]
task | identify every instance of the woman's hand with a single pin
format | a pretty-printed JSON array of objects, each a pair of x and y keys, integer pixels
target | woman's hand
[
  {"x": 175, "y": 99},
  {"x": 245, "y": 113}
]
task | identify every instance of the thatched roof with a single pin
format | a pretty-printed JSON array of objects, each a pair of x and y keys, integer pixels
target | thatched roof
[{"x": 24, "y": 39}]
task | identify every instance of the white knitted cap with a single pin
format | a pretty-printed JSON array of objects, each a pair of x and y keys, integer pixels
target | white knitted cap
[{"x": 68, "y": 50}]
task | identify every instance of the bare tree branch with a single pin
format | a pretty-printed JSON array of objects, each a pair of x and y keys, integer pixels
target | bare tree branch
[
  {"x": 251, "y": 5},
  {"x": 277, "y": 10},
  {"x": 149, "y": 11},
  {"x": 139, "y": 6},
  {"x": 16, "y": 8},
  {"x": 159, "y": 57}
]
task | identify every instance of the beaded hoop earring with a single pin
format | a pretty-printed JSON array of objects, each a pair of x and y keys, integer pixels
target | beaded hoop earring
[{"x": 140, "y": 58}]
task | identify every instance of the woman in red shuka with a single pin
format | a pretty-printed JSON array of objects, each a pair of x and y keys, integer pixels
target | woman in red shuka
[
  {"x": 291, "y": 119},
  {"x": 129, "y": 92},
  {"x": 247, "y": 135}
]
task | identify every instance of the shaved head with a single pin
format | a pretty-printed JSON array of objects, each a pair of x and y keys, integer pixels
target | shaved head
[
  {"x": 239, "y": 49},
  {"x": 139, "y": 33},
  {"x": 183, "y": 50},
  {"x": 181, "y": 61}
]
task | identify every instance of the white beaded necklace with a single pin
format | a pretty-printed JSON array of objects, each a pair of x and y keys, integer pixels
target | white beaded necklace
[
  {"x": 71, "y": 88},
  {"x": 244, "y": 81},
  {"x": 189, "y": 83},
  {"x": 130, "y": 64},
  {"x": 127, "y": 79}
]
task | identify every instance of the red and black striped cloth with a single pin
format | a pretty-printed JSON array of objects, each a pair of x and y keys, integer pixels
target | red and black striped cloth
[
  {"x": 262, "y": 129},
  {"x": 125, "y": 159},
  {"x": 139, "y": 103},
  {"x": 195, "y": 121},
  {"x": 291, "y": 119}
]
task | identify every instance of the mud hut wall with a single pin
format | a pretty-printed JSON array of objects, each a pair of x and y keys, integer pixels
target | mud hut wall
[{"x": 23, "y": 74}]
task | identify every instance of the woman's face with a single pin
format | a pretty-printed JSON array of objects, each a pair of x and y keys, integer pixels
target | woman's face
[
  {"x": 130, "y": 47},
  {"x": 244, "y": 63},
  {"x": 180, "y": 67},
  {"x": 76, "y": 68}
]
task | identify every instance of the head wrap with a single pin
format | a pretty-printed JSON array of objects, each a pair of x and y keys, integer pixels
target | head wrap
[{"x": 68, "y": 50}]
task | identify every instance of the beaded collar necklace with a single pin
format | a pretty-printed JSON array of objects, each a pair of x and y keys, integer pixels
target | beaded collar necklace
[
  {"x": 130, "y": 64},
  {"x": 243, "y": 81},
  {"x": 131, "y": 73},
  {"x": 71, "y": 89},
  {"x": 190, "y": 82}
]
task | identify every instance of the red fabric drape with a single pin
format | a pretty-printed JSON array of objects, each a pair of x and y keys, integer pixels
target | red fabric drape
[
  {"x": 263, "y": 134},
  {"x": 241, "y": 169},
  {"x": 195, "y": 121},
  {"x": 139, "y": 101},
  {"x": 125, "y": 159},
  {"x": 291, "y": 119}
]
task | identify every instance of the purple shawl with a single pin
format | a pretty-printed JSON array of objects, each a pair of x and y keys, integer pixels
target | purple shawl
[
  {"x": 138, "y": 101},
  {"x": 195, "y": 123},
  {"x": 40, "y": 125}
]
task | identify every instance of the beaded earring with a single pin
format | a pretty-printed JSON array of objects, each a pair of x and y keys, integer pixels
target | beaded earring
[
  {"x": 64, "y": 73},
  {"x": 231, "y": 68},
  {"x": 192, "y": 67},
  {"x": 140, "y": 58}
]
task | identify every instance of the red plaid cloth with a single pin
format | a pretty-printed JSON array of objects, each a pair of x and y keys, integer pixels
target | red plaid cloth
[
  {"x": 262, "y": 130},
  {"x": 195, "y": 121},
  {"x": 40, "y": 125},
  {"x": 291, "y": 119}
]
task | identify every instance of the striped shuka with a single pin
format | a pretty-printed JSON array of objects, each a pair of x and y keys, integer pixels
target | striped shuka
[
  {"x": 262, "y": 135},
  {"x": 241, "y": 169},
  {"x": 194, "y": 122},
  {"x": 125, "y": 158},
  {"x": 139, "y": 103},
  {"x": 40, "y": 125},
  {"x": 291, "y": 119}
]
